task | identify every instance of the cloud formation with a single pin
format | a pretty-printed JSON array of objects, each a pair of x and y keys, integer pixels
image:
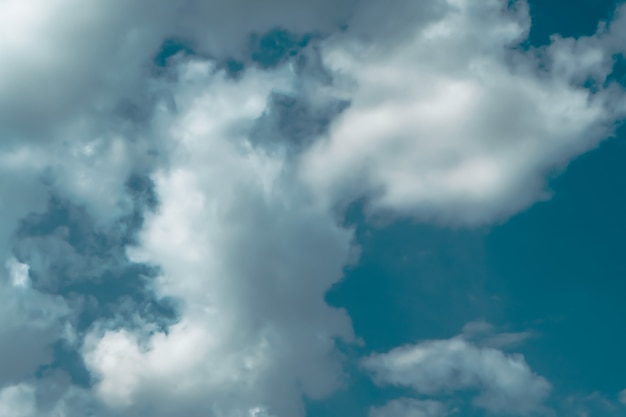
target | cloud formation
[
  {"x": 431, "y": 110},
  {"x": 250, "y": 259},
  {"x": 455, "y": 122},
  {"x": 505, "y": 383}
]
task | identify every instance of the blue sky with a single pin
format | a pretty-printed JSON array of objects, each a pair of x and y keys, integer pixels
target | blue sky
[{"x": 296, "y": 209}]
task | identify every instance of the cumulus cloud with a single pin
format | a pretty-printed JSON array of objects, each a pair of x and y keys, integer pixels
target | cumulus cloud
[
  {"x": 505, "y": 383},
  {"x": 454, "y": 123},
  {"x": 240, "y": 246},
  {"x": 17, "y": 401}
]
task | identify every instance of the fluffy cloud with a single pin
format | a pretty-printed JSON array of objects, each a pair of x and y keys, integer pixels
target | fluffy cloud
[
  {"x": 17, "y": 401},
  {"x": 505, "y": 383},
  {"x": 77, "y": 87},
  {"x": 250, "y": 259},
  {"x": 69, "y": 64},
  {"x": 455, "y": 124}
]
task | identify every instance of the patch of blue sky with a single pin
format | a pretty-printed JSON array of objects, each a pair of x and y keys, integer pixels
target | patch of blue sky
[
  {"x": 559, "y": 269},
  {"x": 573, "y": 18}
]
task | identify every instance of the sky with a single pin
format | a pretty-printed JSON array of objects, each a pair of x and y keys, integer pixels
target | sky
[{"x": 290, "y": 208}]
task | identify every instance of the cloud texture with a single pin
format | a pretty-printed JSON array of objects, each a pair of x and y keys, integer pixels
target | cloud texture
[
  {"x": 505, "y": 383},
  {"x": 216, "y": 184}
]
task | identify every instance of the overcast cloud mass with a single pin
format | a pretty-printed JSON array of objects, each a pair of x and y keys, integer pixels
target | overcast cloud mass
[{"x": 175, "y": 179}]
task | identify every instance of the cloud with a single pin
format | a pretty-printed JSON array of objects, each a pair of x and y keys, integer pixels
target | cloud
[
  {"x": 484, "y": 334},
  {"x": 591, "y": 404},
  {"x": 17, "y": 401},
  {"x": 622, "y": 397},
  {"x": 428, "y": 109},
  {"x": 45, "y": 397},
  {"x": 247, "y": 256},
  {"x": 455, "y": 123},
  {"x": 72, "y": 66},
  {"x": 77, "y": 90},
  {"x": 505, "y": 383},
  {"x": 73, "y": 69}
]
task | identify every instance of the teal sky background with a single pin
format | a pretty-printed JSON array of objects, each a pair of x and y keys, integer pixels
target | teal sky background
[{"x": 559, "y": 267}]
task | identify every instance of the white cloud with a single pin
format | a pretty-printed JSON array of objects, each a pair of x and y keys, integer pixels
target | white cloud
[
  {"x": 407, "y": 407},
  {"x": 459, "y": 128},
  {"x": 17, "y": 401},
  {"x": 505, "y": 383},
  {"x": 51, "y": 396},
  {"x": 248, "y": 256},
  {"x": 622, "y": 397},
  {"x": 69, "y": 63},
  {"x": 71, "y": 68},
  {"x": 453, "y": 124}
]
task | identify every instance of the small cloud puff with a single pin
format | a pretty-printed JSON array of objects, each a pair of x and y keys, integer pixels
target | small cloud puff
[{"x": 505, "y": 382}]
